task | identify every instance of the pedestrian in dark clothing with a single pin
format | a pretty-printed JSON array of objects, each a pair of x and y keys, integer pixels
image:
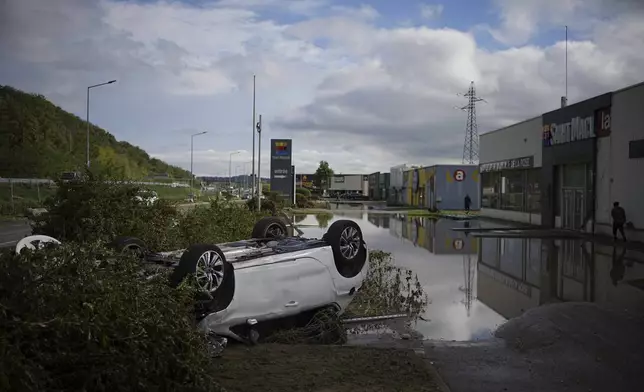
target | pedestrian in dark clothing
[
  {"x": 468, "y": 202},
  {"x": 619, "y": 219}
]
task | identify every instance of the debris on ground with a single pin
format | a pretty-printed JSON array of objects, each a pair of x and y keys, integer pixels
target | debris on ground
[{"x": 321, "y": 368}]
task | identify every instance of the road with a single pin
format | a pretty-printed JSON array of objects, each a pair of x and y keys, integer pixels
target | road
[{"x": 13, "y": 231}]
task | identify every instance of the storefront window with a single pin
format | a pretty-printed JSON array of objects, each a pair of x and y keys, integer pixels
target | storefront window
[
  {"x": 533, "y": 191},
  {"x": 490, "y": 190},
  {"x": 512, "y": 190}
]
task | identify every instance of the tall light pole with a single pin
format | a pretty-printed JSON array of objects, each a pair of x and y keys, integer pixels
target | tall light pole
[
  {"x": 230, "y": 167},
  {"x": 259, "y": 163},
  {"x": 87, "y": 112},
  {"x": 192, "y": 138},
  {"x": 253, "y": 170}
]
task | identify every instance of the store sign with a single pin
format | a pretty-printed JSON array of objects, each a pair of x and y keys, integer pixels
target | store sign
[
  {"x": 508, "y": 164},
  {"x": 578, "y": 128},
  {"x": 281, "y": 162},
  {"x": 459, "y": 175}
]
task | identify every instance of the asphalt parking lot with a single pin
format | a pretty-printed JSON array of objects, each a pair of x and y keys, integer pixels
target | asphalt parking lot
[{"x": 13, "y": 231}]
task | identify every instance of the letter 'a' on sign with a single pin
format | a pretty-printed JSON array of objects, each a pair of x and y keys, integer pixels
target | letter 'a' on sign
[{"x": 459, "y": 175}]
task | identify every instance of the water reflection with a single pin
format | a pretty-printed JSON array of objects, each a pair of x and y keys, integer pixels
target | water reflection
[
  {"x": 444, "y": 261},
  {"x": 474, "y": 285},
  {"x": 515, "y": 275}
]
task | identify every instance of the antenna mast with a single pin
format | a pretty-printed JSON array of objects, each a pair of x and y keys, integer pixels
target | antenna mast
[{"x": 471, "y": 146}]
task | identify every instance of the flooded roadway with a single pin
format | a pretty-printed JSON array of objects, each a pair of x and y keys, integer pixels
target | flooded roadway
[{"x": 475, "y": 285}]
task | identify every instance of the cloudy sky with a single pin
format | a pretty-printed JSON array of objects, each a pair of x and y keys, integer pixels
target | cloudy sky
[{"x": 364, "y": 85}]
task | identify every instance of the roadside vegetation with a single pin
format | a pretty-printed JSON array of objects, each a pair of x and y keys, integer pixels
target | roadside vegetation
[
  {"x": 76, "y": 317},
  {"x": 16, "y": 198}
]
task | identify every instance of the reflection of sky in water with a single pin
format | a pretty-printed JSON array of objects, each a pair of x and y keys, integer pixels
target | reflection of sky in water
[{"x": 442, "y": 277}]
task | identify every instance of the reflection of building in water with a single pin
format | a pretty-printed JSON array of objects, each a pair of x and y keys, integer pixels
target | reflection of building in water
[
  {"x": 396, "y": 226},
  {"x": 437, "y": 236},
  {"x": 516, "y": 274},
  {"x": 379, "y": 220}
]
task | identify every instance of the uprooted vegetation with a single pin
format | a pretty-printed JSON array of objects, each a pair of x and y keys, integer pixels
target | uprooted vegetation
[{"x": 77, "y": 318}]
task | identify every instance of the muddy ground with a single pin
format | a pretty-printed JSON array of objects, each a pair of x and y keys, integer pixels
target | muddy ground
[{"x": 320, "y": 368}]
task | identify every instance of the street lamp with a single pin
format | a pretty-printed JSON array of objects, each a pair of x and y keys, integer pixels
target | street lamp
[
  {"x": 192, "y": 138},
  {"x": 230, "y": 165},
  {"x": 87, "y": 112}
]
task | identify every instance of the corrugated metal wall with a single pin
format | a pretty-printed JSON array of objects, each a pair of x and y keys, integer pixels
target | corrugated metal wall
[{"x": 451, "y": 191}]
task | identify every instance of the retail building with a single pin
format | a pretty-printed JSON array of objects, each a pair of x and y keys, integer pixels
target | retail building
[
  {"x": 510, "y": 162},
  {"x": 379, "y": 186},
  {"x": 349, "y": 183},
  {"x": 567, "y": 167},
  {"x": 442, "y": 187},
  {"x": 620, "y": 161},
  {"x": 396, "y": 184}
]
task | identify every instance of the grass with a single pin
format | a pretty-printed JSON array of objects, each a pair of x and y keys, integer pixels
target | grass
[{"x": 319, "y": 368}]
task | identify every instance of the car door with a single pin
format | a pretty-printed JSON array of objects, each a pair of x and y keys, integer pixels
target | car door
[
  {"x": 266, "y": 291},
  {"x": 314, "y": 287}
]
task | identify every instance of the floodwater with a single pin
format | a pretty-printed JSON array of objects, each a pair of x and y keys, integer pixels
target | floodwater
[
  {"x": 444, "y": 260},
  {"x": 475, "y": 285}
]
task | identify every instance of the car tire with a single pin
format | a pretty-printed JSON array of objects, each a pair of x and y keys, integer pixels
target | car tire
[
  {"x": 124, "y": 245},
  {"x": 210, "y": 298},
  {"x": 269, "y": 227},
  {"x": 348, "y": 246}
]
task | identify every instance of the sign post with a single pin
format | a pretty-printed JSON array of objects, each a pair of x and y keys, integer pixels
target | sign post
[{"x": 281, "y": 167}]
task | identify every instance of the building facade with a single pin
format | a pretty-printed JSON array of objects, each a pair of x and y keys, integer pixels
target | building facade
[
  {"x": 349, "y": 183},
  {"x": 379, "y": 186},
  {"x": 567, "y": 167},
  {"x": 570, "y": 137},
  {"x": 510, "y": 163},
  {"x": 396, "y": 183},
  {"x": 442, "y": 187},
  {"x": 620, "y": 162}
]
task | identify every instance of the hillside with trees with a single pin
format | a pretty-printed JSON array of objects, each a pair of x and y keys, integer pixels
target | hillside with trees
[{"x": 40, "y": 140}]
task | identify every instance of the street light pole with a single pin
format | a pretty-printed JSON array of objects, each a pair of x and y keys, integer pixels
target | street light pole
[
  {"x": 230, "y": 166},
  {"x": 192, "y": 138},
  {"x": 259, "y": 163},
  {"x": 87, "y": 113},
  {"x": 253, "y": 169}
]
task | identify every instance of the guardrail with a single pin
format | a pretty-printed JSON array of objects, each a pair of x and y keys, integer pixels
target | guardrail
[{"x": 47, "y": 181}]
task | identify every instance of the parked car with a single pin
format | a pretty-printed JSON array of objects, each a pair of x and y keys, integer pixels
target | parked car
[{"x": 268, "y": 277}]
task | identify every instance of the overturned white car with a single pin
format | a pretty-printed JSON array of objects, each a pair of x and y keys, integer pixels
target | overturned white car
[{"x": 271, "y": 276}]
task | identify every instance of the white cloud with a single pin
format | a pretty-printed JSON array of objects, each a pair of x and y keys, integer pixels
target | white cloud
[
  {"x": 431, "y": 11},
  {"x": 344, "y": 88}
]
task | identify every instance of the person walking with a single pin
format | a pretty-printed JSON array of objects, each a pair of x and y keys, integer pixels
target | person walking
[
  {"x": 468, "y": 203},
  {"x": 619, "y": 220}
]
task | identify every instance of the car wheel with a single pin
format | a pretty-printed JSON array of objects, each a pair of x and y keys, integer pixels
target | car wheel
[
  {"x": 349, "y": 250},
  {"x": 129, "y": 246},
  {"x": 269, "y": 227},
  {"x": 213, "y": 276}
]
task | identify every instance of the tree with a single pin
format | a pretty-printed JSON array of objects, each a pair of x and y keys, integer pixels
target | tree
[{"x": 323, "y": 175}]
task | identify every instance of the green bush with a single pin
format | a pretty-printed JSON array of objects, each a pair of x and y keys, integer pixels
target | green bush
[
  {"x": 95, "y": 210},
  {"x": 302, "y": 201},
  {"x": 72, "y": 319},
  {"x": 266, "y": 205},
  {"x": 303, "y": 191}
]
